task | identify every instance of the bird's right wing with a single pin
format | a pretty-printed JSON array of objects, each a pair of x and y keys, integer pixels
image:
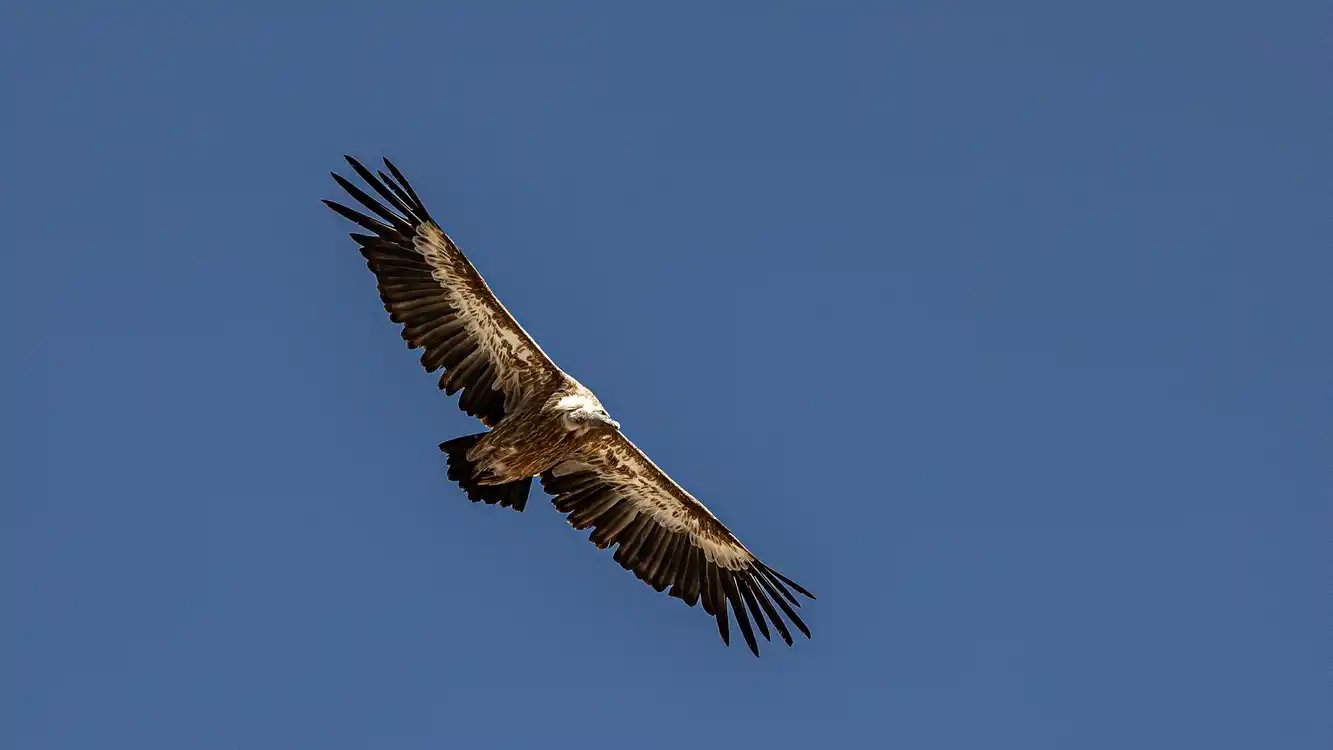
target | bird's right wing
[
  {"x": 429, "y": 286},
  {"x": 668, "y": 538}
]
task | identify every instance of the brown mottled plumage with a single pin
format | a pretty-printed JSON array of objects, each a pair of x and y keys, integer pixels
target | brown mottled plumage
[{"x": 544, "y": 423}]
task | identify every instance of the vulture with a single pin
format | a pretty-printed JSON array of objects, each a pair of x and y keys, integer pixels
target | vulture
[{"x": 545, "y": 424}]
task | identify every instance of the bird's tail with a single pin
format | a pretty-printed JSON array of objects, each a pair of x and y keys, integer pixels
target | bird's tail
[{"x": 512, "y": 495}]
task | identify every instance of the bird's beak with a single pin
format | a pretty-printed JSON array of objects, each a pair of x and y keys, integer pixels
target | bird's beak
[{"x": 614, "y": 424}]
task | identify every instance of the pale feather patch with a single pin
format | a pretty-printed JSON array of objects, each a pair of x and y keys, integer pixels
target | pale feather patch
[{"x": 574, "y": 401}]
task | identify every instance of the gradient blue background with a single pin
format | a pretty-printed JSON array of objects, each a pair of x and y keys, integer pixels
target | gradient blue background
[{"x": 1005, "y": 331}]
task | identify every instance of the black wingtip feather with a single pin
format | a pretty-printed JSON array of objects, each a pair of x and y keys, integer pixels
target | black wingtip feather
[
  {"x": 789, "y": 582},
  {"x": 782, "y": 603},
  {"x": 728, "y": 581},
  {"x": 743, "y": 584},
  {"x": 763, "y": 572},
  {"x": 373, "y": 205},
  {"x": 378, "y": 186},
  {"x": 402, "y": 195},
  {"x": 719, "y": 603},
  {"x": 360, "y": 219},
  {"x": 407, "y": 187},
  {"x": 722, "y": 628},
  {"x": 398, "y": 187},
  {"x": 769, "y": 610}
]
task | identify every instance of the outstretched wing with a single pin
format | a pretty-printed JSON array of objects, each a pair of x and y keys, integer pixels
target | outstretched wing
[
  {"x": 667, "y": 538},
  {"x": 446, "y": 308}
]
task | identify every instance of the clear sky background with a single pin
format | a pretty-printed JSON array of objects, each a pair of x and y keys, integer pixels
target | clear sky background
[{"x": 1002, "y": 327}]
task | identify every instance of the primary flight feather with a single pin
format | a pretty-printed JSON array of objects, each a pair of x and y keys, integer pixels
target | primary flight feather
[{"x": 546, "y": 424}]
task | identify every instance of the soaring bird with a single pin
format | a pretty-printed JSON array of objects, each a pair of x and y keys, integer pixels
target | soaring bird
[{"x": 544, "y": 423}]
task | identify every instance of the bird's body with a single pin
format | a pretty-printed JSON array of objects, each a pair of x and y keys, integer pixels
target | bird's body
[
  {"x": 537, "y": 436},
  {"x": 546, "y": 424}
]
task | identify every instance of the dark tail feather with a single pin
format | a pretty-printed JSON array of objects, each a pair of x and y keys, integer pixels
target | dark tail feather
[{"x": 512, "y": 495}]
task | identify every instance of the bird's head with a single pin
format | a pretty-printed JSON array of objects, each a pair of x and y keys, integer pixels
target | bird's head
[{"x": 581, "y": 414}]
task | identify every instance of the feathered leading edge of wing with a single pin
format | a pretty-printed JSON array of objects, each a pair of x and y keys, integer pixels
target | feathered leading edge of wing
[
  {"x": 669, "y": 539},
  {"x": 430, "y": 287}
]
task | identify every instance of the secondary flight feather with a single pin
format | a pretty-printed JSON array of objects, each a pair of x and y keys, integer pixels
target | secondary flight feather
[{"x": 544, "y": 423}]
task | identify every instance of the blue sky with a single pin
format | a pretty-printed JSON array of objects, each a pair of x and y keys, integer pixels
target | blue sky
[{"x": 1004, "y": 328}]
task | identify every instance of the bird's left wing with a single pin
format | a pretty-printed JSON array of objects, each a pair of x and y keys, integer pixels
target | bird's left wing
[
  {"x": 668, "y": 538},
  {"x": 428, "y": 285}
]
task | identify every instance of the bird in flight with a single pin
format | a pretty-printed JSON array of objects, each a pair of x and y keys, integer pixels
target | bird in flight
[{"x": 544, "y": 423}]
